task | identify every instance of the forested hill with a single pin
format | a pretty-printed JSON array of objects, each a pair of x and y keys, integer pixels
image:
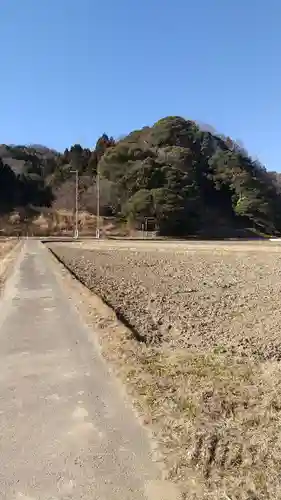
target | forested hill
[{"x": 181, "y": 177}]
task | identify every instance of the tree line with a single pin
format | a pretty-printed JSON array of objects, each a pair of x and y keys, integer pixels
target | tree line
[{"x": 184, "y": 179}]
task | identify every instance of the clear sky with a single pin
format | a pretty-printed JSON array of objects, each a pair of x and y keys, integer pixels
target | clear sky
[{"x": 73, "y": 69}]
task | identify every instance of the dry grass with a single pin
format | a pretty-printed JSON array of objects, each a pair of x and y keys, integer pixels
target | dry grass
[
  {"x": 47, "y": 221},
  {"x": 217, "y": 420},
  {"x": 212, "y": 398},
  {"x": 63, "y": 221},
  {"x": 6, "y": 246}
]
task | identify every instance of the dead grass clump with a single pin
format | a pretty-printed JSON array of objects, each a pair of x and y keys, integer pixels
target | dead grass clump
[{"x": 217, "y": 419}]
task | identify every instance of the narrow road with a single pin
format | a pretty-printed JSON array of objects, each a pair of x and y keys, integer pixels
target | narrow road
[{"x": 65, "y": 431}]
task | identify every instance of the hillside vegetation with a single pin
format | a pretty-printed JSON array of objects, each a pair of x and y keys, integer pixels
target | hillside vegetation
[{"x": 174, "y": 176}]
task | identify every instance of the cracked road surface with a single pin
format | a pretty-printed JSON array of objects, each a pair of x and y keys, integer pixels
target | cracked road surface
[{"x": 66, "y": 432}]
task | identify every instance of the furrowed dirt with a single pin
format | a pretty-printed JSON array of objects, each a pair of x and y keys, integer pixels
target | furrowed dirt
[{"x": 202, "y": 361}]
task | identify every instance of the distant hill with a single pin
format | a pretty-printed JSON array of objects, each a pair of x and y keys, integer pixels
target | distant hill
[
  {"x": 181, "y": 176},
  {"x": 191, "y": 181},
  {"x": 18, "y": 156}
]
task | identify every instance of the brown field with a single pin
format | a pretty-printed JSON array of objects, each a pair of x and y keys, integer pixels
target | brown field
[{"x": 203, "y": 359}]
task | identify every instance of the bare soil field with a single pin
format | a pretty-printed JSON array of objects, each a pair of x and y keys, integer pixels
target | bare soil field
[{"x": 202, "y": 361}]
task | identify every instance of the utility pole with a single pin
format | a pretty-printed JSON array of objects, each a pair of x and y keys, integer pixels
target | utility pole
[
  {"x": 76, "y": 232},
  {"x": 98, "y": 203},
  {"x": 76, "y": 204}
]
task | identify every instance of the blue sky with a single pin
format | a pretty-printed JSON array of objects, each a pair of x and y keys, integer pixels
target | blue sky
[{"x": 73, "y": 69}]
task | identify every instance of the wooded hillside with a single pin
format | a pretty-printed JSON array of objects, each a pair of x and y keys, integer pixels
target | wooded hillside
[{"x": 183, "y": 179}]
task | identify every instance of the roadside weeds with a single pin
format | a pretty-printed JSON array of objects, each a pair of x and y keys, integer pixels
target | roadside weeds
[{"x": 8, "y": 252}]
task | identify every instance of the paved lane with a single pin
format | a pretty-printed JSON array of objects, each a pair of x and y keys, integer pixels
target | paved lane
[{"x": 65, "y": 432}]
